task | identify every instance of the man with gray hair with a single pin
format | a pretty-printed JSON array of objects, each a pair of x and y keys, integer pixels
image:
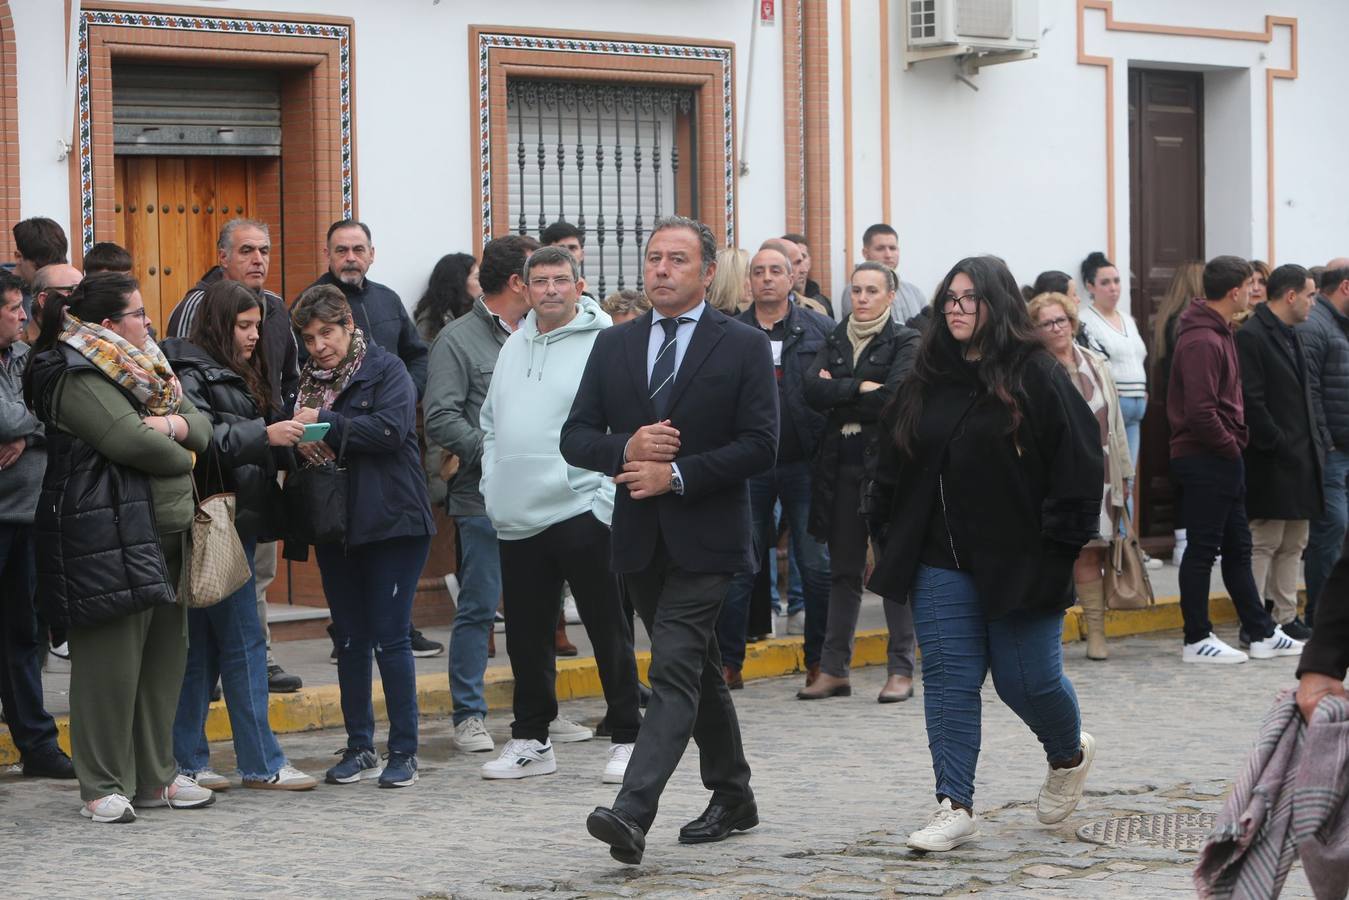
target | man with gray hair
[{"x": 244, "y": 254}]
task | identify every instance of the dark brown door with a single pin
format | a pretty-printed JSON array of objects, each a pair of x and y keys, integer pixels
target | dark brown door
[{"x": 1166, "y": 217}]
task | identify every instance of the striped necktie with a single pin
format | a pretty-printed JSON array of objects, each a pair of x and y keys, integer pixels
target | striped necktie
[{"x": 663, "y": 371}]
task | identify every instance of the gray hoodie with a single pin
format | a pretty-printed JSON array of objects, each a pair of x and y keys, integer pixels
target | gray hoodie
[{"x": 21, "y": 482}]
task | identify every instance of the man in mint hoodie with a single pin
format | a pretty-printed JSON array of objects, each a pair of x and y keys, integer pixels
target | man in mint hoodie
[{"x": 552, "y": 520}]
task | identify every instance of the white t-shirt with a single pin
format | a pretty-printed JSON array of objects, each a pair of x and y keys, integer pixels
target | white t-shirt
[{"x": 1128, "y": 354}]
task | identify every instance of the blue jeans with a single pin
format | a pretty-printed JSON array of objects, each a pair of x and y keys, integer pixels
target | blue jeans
[
  {"x": 479, "y": 594},
  {"x": 1327, "y": 531},
  {"x": 960, "y": 645},
  {"x": 370, "y": 589},
  {"x": 789, "y": 483},
  {"x": 22, "y": 647},
  {"x": 1132, "y": 409},
  {"x": 225, "y": 641}
]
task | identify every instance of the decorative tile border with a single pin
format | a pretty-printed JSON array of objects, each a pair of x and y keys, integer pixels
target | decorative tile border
[
  {"x": 488, "y": 42},
  {"x": 260, "y": 27}
]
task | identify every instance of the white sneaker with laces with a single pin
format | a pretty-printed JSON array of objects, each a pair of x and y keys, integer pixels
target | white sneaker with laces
[
  {"x": 1062, "y": 790},
  {"x": 565, "y": 731},
  {"x": 522, "y": 758},
  {"x": 617, "y": 766},
  {"x": 1277, "y": 644},
  {"x": 796, "y": 623},
  {"x": 112, "y": 808},
  {"x": 569, "y": 609},
  {"x": 211, "y": 780},
  {"x": 183, "y": 793},
  {"x": 288, "y": 778},
  {"x": 1212, "y": 650},
  {"x": 471, "y": 736},
  {"x": 948, "y": 829}
]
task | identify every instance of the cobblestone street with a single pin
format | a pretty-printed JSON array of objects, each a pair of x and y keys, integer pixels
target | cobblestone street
[{"x": 840, "y": 783}]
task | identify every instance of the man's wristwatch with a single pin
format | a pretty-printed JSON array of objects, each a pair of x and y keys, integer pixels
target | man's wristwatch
[{"x": 676, "y": 483}]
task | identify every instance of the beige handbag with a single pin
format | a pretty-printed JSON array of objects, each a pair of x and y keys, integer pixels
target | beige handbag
[
  {"x": 217, "y": 567},
  {"x": 1127, "y": 585}
]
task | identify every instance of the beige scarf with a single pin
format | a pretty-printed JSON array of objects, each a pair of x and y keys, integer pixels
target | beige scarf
[{"x": 859, "y": 335}]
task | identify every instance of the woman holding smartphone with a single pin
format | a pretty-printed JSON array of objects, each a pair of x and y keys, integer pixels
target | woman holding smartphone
[
  {"x": 367, "y": 399},
  {"x": 224, "y": 374}
]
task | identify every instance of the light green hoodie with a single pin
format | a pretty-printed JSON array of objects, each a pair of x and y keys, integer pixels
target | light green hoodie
[{"x": 526, "y": 483}]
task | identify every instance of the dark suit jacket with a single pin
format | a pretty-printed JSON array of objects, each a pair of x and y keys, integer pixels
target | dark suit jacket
[{"x": 725, "y": 405}]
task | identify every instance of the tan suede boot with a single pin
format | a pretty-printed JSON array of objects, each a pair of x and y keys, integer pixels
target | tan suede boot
[{"x": 1091, "y": 595}]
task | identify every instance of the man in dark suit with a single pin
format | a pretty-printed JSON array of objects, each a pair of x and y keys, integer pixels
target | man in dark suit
[{"x": 680, "y": 405}]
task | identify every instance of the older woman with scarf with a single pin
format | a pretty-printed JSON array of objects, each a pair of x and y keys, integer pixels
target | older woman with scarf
[
  {"x": 1056, "y": 317},
  {"x": 366, "y": 396},
  {"x": 854, "y": 376},
  {"x": 113, "y": 528}
]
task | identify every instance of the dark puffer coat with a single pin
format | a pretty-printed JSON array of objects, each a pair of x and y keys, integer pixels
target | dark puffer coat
[
  {"x": 1325, "y": 336},
  {"x": 886, "y": 360},
  {"x": 239, "y": 459}
]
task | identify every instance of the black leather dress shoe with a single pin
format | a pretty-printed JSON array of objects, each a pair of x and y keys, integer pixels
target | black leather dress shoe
[
  {"x": 718, "y": 821},
  {"x": 625, "y": 837}
]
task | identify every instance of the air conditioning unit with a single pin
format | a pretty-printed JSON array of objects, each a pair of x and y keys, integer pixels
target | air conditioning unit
[{"x": 975, "y": 26}]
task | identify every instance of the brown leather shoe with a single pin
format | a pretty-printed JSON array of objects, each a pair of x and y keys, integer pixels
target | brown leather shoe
[
  {"x": 812, "y": 672},
  {"x": 825, "y": 686},
  {"x": 734, "y": 681},
  {"x": 564, "y": 647},
  {"x": 897, "y": 689}
]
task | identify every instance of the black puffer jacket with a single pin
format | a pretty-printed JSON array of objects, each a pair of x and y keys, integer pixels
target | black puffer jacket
[
  {"x": 886, "y": 360},
  {"x": 99, "y": 555},
  {"x": 239, "y": 458},
  {"x": 1325, "y": 336}
]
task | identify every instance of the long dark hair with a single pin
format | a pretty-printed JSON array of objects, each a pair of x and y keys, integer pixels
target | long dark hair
[
  {"x": 1004, "y": 342},
  {"x": 446, "y": 295},
  {"x": 213, "y": 332},
  {"x": 97, "y": 297}
]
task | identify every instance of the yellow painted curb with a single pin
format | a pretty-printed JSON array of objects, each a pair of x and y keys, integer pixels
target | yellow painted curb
[{"x": 311, "y": 709}]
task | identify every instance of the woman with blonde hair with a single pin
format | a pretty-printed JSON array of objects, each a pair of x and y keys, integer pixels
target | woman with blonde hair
[
  {"x": 1056, "y": 318},
  {"x": 1186, "y": 284},
  {"x": 729, "y": 292}
]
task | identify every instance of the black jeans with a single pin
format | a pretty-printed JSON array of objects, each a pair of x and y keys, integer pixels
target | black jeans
[
  {"x": 532, "y": 571},
  {"x": 21, "y": 645},
  {"x": 1213, "y": 513},
  {"x": 689, "y": 697}
]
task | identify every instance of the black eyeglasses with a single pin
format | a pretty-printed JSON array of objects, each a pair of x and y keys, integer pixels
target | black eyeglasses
[
  {"x": 966, "y": 303},
  {"x": 132, "y": 313}
]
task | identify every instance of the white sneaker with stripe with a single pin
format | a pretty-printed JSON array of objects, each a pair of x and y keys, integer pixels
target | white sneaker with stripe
[
  {"x": 1212, "y": 650},
  {"x": 522, "y": 758},
  {"x": 1277, "y": 644}
]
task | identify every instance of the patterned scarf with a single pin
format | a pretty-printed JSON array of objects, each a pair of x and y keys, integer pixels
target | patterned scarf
[
  {"x": 143, "y": 372},
  {"x": 319, "y": 388}
]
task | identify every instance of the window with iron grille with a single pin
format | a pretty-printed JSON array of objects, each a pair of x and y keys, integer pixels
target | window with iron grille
[{"x": 606, "y": 158}]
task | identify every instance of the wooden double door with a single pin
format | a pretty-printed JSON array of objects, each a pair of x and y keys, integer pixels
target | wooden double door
[{"x": 169, "y": 213}]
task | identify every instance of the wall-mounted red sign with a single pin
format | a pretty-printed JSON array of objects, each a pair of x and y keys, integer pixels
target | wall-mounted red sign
[{"x": 766, "y": 14}]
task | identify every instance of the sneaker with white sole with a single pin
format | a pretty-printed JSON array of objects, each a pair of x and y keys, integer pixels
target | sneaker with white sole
[
  {"x": 569, "y": 609},
  {"x": 1062, "y": 790},
  {"x": 471, "y": 736},
  {"x": 288, "y": 778},
  {"x": 211, "y": 780},
  {"x": 617, "y": 766},
  {"x": 109, "y": 809},
  {"x": 182, "y": 793},
  {"x": 62, "y": 651},
  {"x": 1277, "y": 644},
  {"x": 948, "y": 829},
  {"x": 1212, "y": 650},
  {"x": 522, "y": 758},
  {"x": 565, "y": 731},
  {"x": 355, "y": 764}
]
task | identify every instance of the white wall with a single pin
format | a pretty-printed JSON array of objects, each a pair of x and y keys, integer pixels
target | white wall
[
  {"x": 44, "y": 116},
  {"x": 1232, "y": 185}
]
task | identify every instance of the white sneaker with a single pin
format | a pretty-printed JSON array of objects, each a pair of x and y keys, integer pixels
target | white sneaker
[
  {"x": 1062, "y": 790},
  {"x": 62, "y": 651},
  {"x": 1178, "y": 554},
  {"x": 796, "y": 623},
  {"x": 569, "y": 609},
  {"x": 112, "y": 808},
  {"x": 1151, "y": 562},
  {"x": 565, "y": 731},
  {"x": 948, "y": 829},
  {"x": 183, "y": 793},
  {"x": 614, "y": 769},
  {"x": 471, "y": 736},
  {"x": 288, "y": 778},
  {"x": 1212, "y": 650},
  {"x": 211, "y": 780},
  {"x": 1277, "y": 644},
  {"x": 522, "y": 759}
]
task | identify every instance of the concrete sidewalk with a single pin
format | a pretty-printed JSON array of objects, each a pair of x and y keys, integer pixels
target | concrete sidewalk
[{"x": 317, "y": 704}]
